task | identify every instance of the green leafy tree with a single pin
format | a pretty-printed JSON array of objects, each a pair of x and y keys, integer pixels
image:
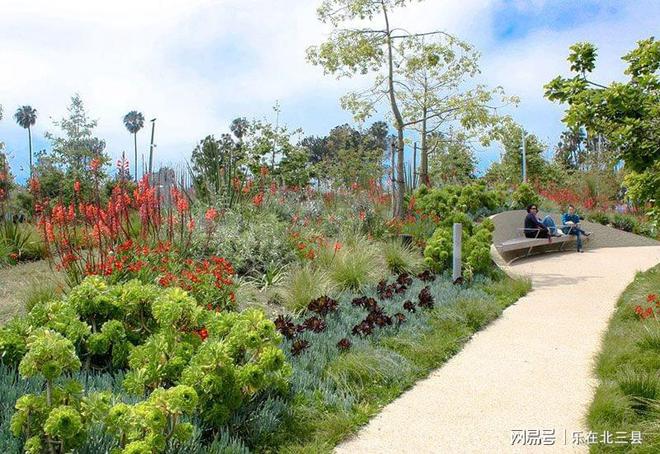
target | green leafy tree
[
  {"x": 134, "y": 121},
  {"x": 26, "y": 117},
  {"x": 627, "y": 113},
  {"x": 362, "y": 50},
  {"x": 436, "y": 95},
  {"x": 452, "y": 159},
  {"x": 509, "y": 169},
  {"x": 71, "y": 155},
  {"x": 74, "y": 150},
  {"x": 349, "y": 155}
]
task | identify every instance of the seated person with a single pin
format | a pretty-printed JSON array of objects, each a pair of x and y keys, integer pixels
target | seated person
[
  {"x": 536, "y": 228},
  {"x": 572, "y": 226}
]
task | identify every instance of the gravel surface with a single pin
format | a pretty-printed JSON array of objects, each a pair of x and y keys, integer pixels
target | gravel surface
[{"x": 529, "y": 370}]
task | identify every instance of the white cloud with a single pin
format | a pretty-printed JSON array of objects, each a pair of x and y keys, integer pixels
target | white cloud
[{"x": 196, "y": 64}]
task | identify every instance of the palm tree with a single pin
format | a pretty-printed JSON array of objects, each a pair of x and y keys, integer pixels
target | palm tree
[
  {"x": 134, "y": 121},
  {"x": 26, "y": 117}
]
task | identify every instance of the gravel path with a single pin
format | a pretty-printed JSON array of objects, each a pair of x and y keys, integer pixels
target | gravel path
[{"x": 530, "y": 369}]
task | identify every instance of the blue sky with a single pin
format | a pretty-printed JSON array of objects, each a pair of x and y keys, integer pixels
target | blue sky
[{"x": 197, "y": 64}]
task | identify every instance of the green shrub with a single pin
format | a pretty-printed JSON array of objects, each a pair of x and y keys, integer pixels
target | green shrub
[
  {"x": 251, "y": 242},
  {"x": 357, "y": 264},
  {"x": 524, "y": 195},
  {"x": 401, "y": 258},
  {"x": 599, "y": 217},
  {"x": 473, "y": 198},
  {"x": 625, "y": 223},
  {"x": 303, "y": 284},
  {"x": 475, "y": 249}
]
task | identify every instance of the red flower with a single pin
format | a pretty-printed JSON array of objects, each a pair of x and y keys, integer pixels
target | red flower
[
  {"x": 258, "y": 199},
  {"x": 639, "y": 310},
  {"x": 95, "y": 164},
  {"x": 337, "y": 246},
  {"x": 363, "y": 216},
  {"x": 35, "y": 185},
  {"x": 651, "y": 298},
  {"x": 211, "y": 214},
  {"x": 647, "y": 313},
  {"x": 76, "y": 186}
]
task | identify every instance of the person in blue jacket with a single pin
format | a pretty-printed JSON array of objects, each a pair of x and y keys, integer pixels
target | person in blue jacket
[
  {"x": 571, "y": 222},
  {"x": 536, "y": 228}
]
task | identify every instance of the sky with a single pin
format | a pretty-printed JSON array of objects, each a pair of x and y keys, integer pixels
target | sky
[{"x": 197, "y": 64}]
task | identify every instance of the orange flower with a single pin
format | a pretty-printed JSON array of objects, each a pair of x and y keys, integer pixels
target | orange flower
[
  {"x": 95, "y": 164},
  {"x": 258, "y": 199},
  {"x": 211, "y": 214},
  {"x": 338, "y": 246}
]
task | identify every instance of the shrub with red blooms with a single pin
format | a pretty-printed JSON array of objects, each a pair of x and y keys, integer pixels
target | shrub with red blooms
[{"x": 652, "y": 309}]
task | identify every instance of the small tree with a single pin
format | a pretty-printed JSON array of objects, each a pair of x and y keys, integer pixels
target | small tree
[
  {"x": 350, "y": 51},
  {"x": 26, "y": 117}
]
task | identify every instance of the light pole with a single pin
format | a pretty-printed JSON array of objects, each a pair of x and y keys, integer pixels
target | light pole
[
  {"x": 524, "y": 156},
  {"x": 151, "y": 148}
]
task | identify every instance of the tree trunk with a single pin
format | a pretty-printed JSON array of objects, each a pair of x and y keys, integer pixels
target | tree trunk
[
  {"x": 136, "y": 160},
  {"x": 30, "y": 145},
  {"x": 424, "y": 159},
  {"x": 398, "y": 121}
]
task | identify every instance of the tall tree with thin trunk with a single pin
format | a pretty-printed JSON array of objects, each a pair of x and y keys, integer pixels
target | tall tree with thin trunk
[
  {"x": 134, "y": 121},
  {"x": 436, "y": 95},
  {"x": 361, "y": 48},
  {"x": 26, "y": 117}
]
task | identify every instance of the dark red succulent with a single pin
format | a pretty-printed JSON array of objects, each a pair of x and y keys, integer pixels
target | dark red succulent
[
  {"x": 299, "y": 346},
  {"x": 314, "y": 324},
  {"x": 404, "y": 279},
  {"x": 323, "y": 305},
  {"x": 409, "y": 306},
  {"x": 379, "y": 318},
  {"x": 367, "y": 303},
  {"x": 426, "y": 276},
  {"x": 364, "y": 328},
  {"x": 285, "y": 326},
  {"x": 400, "y": 318},
  {"x": 425, "y": 298},
  {"x": 344, "y": 345}
]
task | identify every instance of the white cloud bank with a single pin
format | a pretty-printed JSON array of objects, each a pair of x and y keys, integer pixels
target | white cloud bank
[{"x": 196, "y": 64}]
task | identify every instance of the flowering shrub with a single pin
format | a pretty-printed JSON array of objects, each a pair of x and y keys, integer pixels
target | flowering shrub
[{"x": 87, "y": 235}]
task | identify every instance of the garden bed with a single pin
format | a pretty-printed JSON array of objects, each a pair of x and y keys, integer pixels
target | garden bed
[{"x": 627, "y": 399}]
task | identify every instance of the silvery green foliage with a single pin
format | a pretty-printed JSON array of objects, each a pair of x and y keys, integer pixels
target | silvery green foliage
[
  {"x": 251, "y": 241},
  {"x": 310, "y": 376}
]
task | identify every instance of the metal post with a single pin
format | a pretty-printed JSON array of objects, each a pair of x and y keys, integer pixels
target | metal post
[
  {"x": 524, "y": 156},
  {"x": 151, "y": 148},
  {"x": 414, "y": 172},
  {"x": 458, "y": 240}
]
